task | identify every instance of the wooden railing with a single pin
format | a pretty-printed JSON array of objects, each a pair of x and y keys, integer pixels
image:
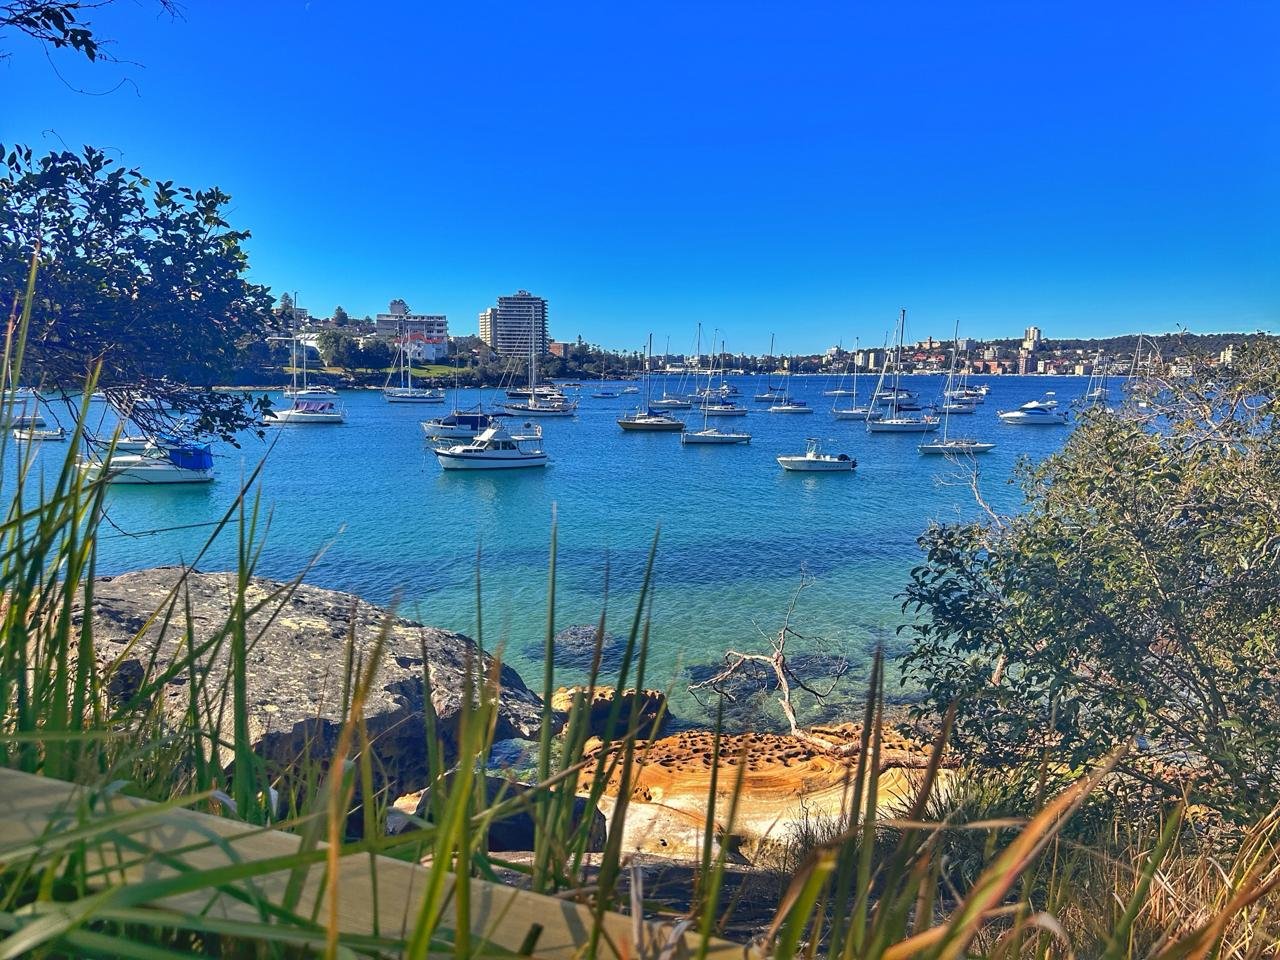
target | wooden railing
[{"x": 167, "y": 842}]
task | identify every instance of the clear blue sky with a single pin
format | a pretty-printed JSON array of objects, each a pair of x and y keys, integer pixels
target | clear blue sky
[{"x": 803, "y": 169}]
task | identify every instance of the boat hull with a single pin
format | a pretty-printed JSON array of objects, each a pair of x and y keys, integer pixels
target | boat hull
[
  {"x": 1018, "y": 419},
  {"x": 854, "y": 413},
  {"x": 902, "y": 426},
  {"x": 958, "y": 449},
  {"x": 294, "y": 417},
  {"x": 481, "y": 461},
  {"x": 714, "y": 438},
  {"x": 642, "y": 426},
  {"x": 811, "y": 465},
  {"x": 791, "y": 409}
]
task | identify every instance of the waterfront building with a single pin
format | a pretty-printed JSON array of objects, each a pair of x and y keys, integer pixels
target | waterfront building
[
  {"x": 508, "y": 326},
  {"x": 424, "y": 336}
]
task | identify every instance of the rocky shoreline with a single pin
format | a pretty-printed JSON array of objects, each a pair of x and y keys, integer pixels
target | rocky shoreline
[{"x": 296, "y": 639}]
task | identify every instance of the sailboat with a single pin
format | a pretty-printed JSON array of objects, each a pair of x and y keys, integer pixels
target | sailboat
[
  {"x": 854, "y": 411},
  {"x": 771, "y": 394},
  {"x": 1096, "y": 391},
  {"x": 788, "y": 404},
  {"x": 538, "y": 404},
  {"x": 896, "y": 398},
  {"x": 602, "y": 393},
  {"x": 406, "y": 392},
  {"x": 645, "y": 418},
  {"x": 293, "y": 391},
  {"x": 709, "y": 434},
  {"x": 949, "y": 444}
]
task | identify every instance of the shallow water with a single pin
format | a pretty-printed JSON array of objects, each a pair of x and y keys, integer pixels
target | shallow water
[{"x": 367, "y": 503}]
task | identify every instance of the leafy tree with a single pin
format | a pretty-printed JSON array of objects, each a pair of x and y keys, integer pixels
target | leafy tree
[
  {"x": 374, "y": 355},
  {"x": 285, "y": 305},
  {"x": 60, "y": 24},
  {"x": 138, "y": 276},
  {"x": 1137, "y": 596},
  {"x": 340, "y": 317}
]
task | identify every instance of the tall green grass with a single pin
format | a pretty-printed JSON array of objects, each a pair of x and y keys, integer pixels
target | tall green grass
[{"x": 969, "y": 870}]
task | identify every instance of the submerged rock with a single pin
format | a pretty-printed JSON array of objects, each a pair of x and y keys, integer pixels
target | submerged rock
[
  {"x": 653, "y": 717},
  {"x": 788, "y": 783},
  {"x": 296, "y": 647},
  {"x": 575, "y": 647}
]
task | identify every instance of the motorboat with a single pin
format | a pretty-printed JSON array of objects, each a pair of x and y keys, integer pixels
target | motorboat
[
  {"x": 542, "y": 392},
  {"x": 1033, "y": 415},
  {"x": 496, "y": 448},
  {"x": 958, "y": 407},
  {"x": 791, "y": 406},
  {"x": 192, "y": 463},
  {"x": 713, "y": 435},
  {"x": 629, "y": 391},
  {"x": 460, "y": 425},
  {"x": 27, "y": 421},
  {"x": 1048, "y": 402},
  {"x": 813, "y": 460},
  {"x": 39, "y": 433},
  {"x": 310, "y": 411}
]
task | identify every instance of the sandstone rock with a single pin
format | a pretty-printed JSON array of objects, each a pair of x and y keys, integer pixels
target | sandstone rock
[
  {"x": 652, "y": 708},
  {"x": 788, "y": 783},
  {"x": 296, "y": 665}
]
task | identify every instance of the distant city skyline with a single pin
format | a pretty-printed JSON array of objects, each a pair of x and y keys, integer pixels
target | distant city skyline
[{"x": 801, "y": 172}]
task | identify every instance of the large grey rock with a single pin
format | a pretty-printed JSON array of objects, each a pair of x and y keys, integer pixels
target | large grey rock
[{"x": 296, "y": 666}]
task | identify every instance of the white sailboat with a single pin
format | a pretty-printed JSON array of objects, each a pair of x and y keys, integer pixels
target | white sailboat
[
  {"x": 714, "y": 435},
  {"x": 406, "y": 392},
  {"x": 789, "y": 404},
  {"x": 770, "y": 394},
  {"x": 306, "y": 390},
  {"x": 538, "y": 403},
  {"x": 855, "y": 410},
  {"x": 897, "y": 399},
  {"x": 948, "y": 444}
]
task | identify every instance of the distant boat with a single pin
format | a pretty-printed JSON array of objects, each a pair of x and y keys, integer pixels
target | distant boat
[
  {"x": 646, "y": 419},
  {"x": 714, "y": 435},
  {"x": 31, "y": 434},
  {"x": 186, "y": 464},
  {"x": 406, "y": 392},
  {"x": 813, "y": 460},
  {"x": 496, "y": 449},
  {"x": 460, "y": 425},
  {"x": 1033, "y": 416},
  {"x": 538, "y": 403},
  {"x": 310, "y": 411},
  {"x": 788, "y": 405},
  {"x": 855, "y": 411},
  {"x": 895, "y": 397},
  {"x": 957, "y": 446},
  {"x": 306, "y": 390}
]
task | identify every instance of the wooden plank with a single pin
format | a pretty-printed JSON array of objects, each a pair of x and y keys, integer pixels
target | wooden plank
[{"x": 32, "y": 807}]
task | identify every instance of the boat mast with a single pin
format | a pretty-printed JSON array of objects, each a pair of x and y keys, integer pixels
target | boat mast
[{"x": 947, "y": 399}]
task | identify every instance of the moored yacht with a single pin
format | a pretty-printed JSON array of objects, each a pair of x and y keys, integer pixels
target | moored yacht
[
  {"x": 1033, "y": 415},
  {"x": 310, "y": 411},
  {"x": 496, "y": 448},
  {"x": 956, "y": 446},
  {"x": 192, "y": 463},
  {"x": 813, "y": 460},
  {"x": 460, "y": 425}
]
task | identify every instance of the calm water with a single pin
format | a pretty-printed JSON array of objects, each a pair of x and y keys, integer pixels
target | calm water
[{"x": 369, "y": 504}]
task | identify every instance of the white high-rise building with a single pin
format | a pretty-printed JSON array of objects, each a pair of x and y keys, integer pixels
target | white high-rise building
[{"x": 507, "y": 328}]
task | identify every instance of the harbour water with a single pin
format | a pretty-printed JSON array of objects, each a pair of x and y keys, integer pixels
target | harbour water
[{"x": 366, "y": 505}]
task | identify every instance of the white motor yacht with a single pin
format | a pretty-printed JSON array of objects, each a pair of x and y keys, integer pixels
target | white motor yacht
[
  {"x": 813, "y": 460},
  {"x": 1033, "y": 415},
  {"x": 496, "y": 449},
  {"x": 310, "y": 411},
  {"x": 39, "y": 433},
  {"x": 158, "y": 465}
]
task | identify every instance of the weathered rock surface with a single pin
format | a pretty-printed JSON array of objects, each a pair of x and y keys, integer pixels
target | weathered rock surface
[
  {"x": 652, "y": 709},
  {"x": 295, "y": 661},
  {"x": 789, "y": 784}
]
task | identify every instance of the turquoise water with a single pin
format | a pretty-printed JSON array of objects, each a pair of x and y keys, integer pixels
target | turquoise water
[{"x": 368, "y": 505}]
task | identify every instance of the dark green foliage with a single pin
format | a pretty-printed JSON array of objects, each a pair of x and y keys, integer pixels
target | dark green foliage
[
  {"x": 1136, "y": 596},
  {"x": 145, "y": 278}
]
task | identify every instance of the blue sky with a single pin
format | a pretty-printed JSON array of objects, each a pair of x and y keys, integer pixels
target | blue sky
[{"x": 798, "y": 169}]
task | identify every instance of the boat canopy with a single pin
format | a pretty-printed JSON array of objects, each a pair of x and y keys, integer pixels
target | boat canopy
[
  {"x": 191, "y": 457},
  {"x": 314, "y": 406}
]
